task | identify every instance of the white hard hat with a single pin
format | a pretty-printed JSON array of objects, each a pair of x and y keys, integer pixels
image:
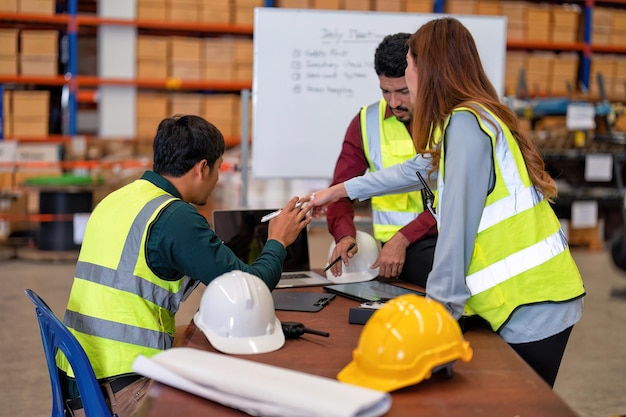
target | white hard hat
[
  {"x": 237, "y": 315},
  {"x": 358, "y": 268}
]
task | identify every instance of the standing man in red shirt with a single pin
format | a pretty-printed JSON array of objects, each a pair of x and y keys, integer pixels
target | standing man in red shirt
[{"x": 378, "y": 137}]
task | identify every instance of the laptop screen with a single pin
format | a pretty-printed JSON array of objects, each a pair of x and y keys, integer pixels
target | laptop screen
[{"x": 243, "y": 232}]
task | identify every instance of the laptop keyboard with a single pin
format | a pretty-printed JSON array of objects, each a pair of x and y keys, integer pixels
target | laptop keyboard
[{"x": 295, "y": 275}]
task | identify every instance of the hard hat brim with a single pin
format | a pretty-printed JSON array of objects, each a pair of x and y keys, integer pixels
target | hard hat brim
[
  {"x": 244, "y": 345},
  {"x": 351, "y": 374}
]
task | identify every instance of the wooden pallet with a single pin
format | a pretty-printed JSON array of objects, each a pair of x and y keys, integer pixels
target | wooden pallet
[
  {"x": 587, "y": 236},
  {"x": 33, "y": 254}
]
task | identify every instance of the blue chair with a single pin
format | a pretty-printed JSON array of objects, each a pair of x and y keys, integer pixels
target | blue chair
[{"x": 55, "y": 336}]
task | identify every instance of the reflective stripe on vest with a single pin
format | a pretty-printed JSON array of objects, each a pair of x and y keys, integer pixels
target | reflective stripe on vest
[
  {"x": 111, "y": 340},
  {"x": 536, "y": 266},
  {"x": 386, "y": 142}
]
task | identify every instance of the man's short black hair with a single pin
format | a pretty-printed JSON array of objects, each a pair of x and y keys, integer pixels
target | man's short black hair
[
  {"x": 183, "y": 141},
  {"x": 390, "y": 56}
]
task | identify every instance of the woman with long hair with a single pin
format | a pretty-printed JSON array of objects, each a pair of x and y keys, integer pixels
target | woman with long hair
[{"x": 501, "y": 253}]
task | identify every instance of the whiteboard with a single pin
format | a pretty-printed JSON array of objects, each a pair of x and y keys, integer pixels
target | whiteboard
[{"x": 314, "y": 69}]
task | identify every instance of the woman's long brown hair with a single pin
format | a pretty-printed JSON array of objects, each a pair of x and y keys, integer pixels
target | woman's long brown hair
[{"x": 450, "y": 75}]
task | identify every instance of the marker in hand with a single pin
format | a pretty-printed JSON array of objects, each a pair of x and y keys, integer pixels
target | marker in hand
[
  {"x": 338, "y": 258},
  {"x": 273, "y": 214}
]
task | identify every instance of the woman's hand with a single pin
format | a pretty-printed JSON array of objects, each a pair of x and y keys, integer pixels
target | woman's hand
[{"x": 320, "y": 200}]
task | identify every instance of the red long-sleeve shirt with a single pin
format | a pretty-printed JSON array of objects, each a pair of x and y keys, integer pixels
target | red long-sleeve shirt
[{"x": 353, "y": 163}]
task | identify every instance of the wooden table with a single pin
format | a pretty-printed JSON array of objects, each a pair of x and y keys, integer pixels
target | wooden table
[{"x": 496, "y": 382}]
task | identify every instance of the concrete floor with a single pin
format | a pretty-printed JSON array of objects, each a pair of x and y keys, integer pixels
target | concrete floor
[{"x": 592, "y": 379}]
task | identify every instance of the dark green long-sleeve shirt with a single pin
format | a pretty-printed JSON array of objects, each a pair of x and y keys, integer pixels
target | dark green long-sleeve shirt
[{"x": 181, "y": 242}]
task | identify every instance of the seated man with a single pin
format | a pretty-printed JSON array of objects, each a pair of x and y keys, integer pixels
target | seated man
[{"x": 145, "y": 248}]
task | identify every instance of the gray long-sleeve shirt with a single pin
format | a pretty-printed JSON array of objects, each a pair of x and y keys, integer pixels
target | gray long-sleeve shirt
[{"x": 469, "y": 176}]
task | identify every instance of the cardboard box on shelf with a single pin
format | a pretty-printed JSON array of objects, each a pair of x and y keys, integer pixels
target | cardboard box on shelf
[
  {"x": 31, "y": 103},
  {"x": 185, "y": 103},
  {"x": 36, "y": 6},
  {"x": 460, "y": 6},
  {"x": 212, "y": 11},
  {"x": 488, "y": 8},
  {"x": 42, "y": 65},
  {"x": 151, "y": 10},
  {"x": 153, "y": 105},
  {"x": 152, "y": 46},
  {"x": 564, "y": 72},
  {"x": 8, "y": 6},
  {"x": 563, "y": 34},
  {"x": 183, "y": 11},
  {"x": 602, "y": 17},
  {"x": 326, "y": 4},
  {"x": 538, "y": 18},
  {"x": 243, "y": 15},
  {"x": 147, "y": 127},
  {"x": 601, "y": 35},
  {"x": 295, "y": 4},
  {"x": 8, "y": 41},
  {"x": 185, "y": 48},
  {"x": 244, "y": 52},
  {"x": 419, "y": 6},
  {"x": 8, "y": 64},
  {"x": 39, "y": 42},
  {"x": 243, "y": 72},
  {"x": 218, "y": 71},
  {"x": 30, "y": 126},
  {"x": 219, "y": 50},
  {"x": 186, "y": 70},
  {"x": 388, "y": 5},
  {"x": 152, "y": 68}
]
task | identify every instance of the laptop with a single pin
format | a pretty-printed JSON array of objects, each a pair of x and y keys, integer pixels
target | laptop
[{"x": 242, "y": 231}]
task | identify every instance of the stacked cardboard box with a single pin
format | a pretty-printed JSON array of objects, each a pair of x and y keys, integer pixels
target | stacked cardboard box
[
  {"x": 8, "y": 51},
  {"x": 564, "y": 73},
  {"x": 7, "y": 113},
  {"x": 218, "y": 59},
  {"x": 565, "y": 23},
  {"x": 538, "y": 74},
  {"x": 30, "y": 113},
  {"x": 185, "y": 57},
  {"x": 602, "y": 21},
  {"x": 216, "y": 11},
  {"x": 183, "y": 11},
  {"x": 357, "y": 5},
  {"x": 388, "y": 5},
  {"x": 326, "y": 4},
  {"x": 419, "y": 6},
  {"x": 37, "y": 160},
  {"x": 538, "y": 17},
  {"x": 221, "y": 110},
  {"x": 488, "y": 7},
  {"x": 39, "y": 52},
  {"x": 619, "y": 84},
  {"x": 151, "y": 10},
  {"x": 185, "y": 103},
  {"x": 243, "y": 11},
  {"x": 618, "y": 28},
  {"x": 460, "y": 6},
  {"x": 605, "y": 65},
  {"x": 150, "y": 109},
  {"x": 152, "y": 62},
  {"x": 8, "y": 6},
  {"x": 516, "y": 61},
  {"x": 515, "y": 12},
  {"x": 243, "y": 59},
  {"x": 35, "y": 6}
]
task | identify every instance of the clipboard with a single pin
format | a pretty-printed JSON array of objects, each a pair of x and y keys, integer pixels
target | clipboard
[{"x": 301, "y": 301}]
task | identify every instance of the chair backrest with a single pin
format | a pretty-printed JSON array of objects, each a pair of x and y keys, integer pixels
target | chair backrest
[{"x": 55, "y": 336}]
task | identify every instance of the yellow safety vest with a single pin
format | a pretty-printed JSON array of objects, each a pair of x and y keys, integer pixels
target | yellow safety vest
[
  {"x": 387, "y": 142},
  {"x": 118, "y": 308},
  {"x": 534, "y": 267}
]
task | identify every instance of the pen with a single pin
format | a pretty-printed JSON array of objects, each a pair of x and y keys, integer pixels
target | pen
[
  {"x": 338, "y": 258},
  {"x": 273, "y": 214}
]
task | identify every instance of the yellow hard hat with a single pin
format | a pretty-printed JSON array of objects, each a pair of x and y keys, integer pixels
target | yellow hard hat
[{"x": 403, "y": 342}]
